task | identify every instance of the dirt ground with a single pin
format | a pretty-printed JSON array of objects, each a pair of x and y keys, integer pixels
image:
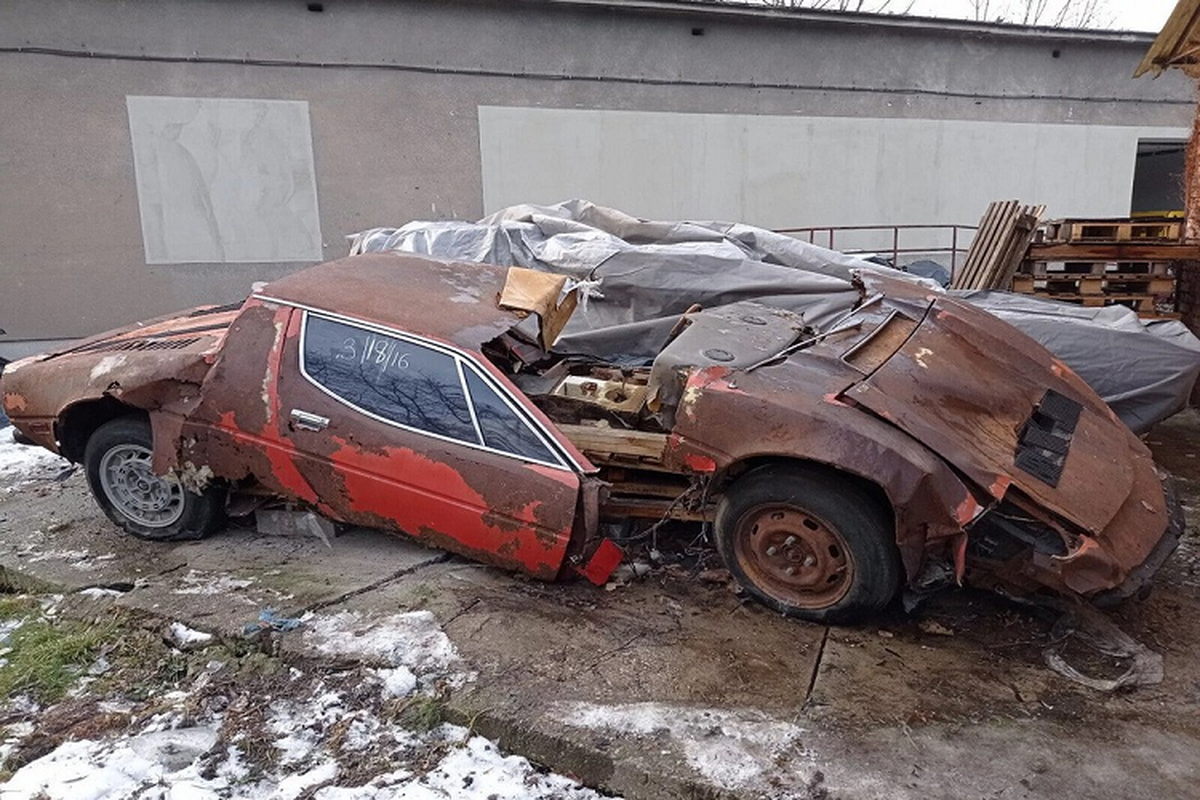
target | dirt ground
[{"x": 671, "y": 685}]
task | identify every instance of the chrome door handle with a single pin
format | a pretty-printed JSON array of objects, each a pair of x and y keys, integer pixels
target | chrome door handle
[{"x": 308, "y": 422}]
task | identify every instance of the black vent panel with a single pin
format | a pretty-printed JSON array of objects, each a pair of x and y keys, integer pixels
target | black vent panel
[
  {"x": 138, "y": 345},
  {"x": 204, "y": 312},
  {"x": 1046, "y": 438}
]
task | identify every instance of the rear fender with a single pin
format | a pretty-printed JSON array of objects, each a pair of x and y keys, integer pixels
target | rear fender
[{"x": 930, "y": 503}]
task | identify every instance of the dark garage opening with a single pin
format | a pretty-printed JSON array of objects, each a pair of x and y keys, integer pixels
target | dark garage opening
[{"x": 1158, "y": 177}]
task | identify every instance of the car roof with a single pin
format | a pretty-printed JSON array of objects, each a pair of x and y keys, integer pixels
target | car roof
[{"x": 451, "y": 301}]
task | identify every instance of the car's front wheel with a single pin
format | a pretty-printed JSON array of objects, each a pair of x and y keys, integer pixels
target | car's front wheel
[
  {"x": 808, "y": 543},
  {"x": 118, "y": 460}
]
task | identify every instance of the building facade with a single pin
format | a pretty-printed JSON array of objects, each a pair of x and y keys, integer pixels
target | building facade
[{"x": 155, "y": 156}]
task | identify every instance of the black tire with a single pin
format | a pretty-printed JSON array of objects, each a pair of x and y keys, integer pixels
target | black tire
[
  {"x": 809, "y": 543},
  {"x": 119, "y": 476}
]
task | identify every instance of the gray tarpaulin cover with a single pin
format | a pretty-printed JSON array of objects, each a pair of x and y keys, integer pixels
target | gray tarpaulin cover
[{"x": 639, "y": 276}]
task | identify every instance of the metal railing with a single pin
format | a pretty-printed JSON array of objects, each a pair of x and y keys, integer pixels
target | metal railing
[{"x": 959, "y": 235}]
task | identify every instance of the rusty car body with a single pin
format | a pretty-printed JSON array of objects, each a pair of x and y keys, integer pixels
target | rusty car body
[{"x": 915, "y": 434}]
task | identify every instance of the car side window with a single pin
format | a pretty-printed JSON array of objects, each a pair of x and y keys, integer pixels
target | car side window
[
  {"x": 502, "y": 428},
  {"x": 391, "y": 378}
]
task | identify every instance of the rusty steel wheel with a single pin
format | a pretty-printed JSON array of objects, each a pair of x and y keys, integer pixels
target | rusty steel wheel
[
  {"x": 805, "y": 563},
  {"x": 809, "y": 543}
]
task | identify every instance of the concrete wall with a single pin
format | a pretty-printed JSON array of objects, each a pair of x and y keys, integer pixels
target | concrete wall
[{"x": 393, "y": 92}]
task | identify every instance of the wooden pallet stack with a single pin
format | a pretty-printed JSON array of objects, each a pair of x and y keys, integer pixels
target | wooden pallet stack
[
  {"x": 1003, "y": 236},
  {"x": 1103, "y": 262}
]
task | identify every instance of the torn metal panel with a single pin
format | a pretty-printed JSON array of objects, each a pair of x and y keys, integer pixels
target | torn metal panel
[
  {"x": 736, "y": 335},
  {"x": 156, "y": 367}
]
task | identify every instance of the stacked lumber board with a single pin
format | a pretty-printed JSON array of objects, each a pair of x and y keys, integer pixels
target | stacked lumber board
[
  {"x": 1102, "y": 262},
  {"x": 1000, "y": 244}
]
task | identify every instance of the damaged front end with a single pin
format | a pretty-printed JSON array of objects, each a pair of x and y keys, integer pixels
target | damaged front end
[
  {"x": 1068, "y": 498},
  {"x": 56, "y": 399}
]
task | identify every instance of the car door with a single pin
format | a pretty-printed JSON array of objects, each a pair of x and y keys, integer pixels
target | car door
[{"x": 394, "y": 431}]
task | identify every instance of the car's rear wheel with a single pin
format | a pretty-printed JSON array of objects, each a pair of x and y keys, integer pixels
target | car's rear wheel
[
  {"x": 118, "y": 460},
  {"x": 808, "y": 543}
]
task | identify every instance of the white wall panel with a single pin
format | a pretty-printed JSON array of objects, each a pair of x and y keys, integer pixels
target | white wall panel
[
  {"x": 783, "y": 171},
  {"x": 224, "y": 180}
]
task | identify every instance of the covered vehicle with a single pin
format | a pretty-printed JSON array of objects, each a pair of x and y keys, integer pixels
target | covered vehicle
[
  {"x": 649, "y": 271},
  {"x": 835, "y": 461}
]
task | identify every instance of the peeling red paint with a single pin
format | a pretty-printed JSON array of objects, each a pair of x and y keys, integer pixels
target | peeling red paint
[
  {"x": 715, "y": 373},
  {"x": 284, "y": 470},
  {"x": 456, "y": 510},
  {"x": 699, "y": 463},
  {"x": 999, "y": 487},
  {"x": 967, "y": 510},
  {"x": 716, "y": 379}
]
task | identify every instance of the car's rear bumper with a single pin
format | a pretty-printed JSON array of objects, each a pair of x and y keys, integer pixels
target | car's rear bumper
[{"x": 1140, "y": 576}]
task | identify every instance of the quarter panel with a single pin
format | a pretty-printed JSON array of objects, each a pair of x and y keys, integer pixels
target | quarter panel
[{"x": 727, "y": 418}]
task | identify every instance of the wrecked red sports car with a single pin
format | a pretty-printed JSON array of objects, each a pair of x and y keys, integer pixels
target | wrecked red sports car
[{"x": 915, "y": 435}]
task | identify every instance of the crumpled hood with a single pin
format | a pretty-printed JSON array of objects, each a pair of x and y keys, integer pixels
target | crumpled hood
[
  {"x": 143, "y": 364},
  {"x": 966, "y": 385}
]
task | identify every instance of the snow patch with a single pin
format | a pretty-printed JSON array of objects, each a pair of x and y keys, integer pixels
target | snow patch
[
  {"x": 479, "y": 771},
  {"x": 397, "y": 681},
  {"x": 294, "y": 784},
  {"x": 88, "y": 561},
  {"x": 74, "y": 556},
  {"x": 166, "y": 762},
  {"x": 184, "y": 637},
  {"x": 95, "y": 592},
  {"x": 24, "y": 463},
  {"x": 7, "y": 627},
  {"x": 300, "y": 727},
  {"x": 737, "y": 750},
  {"x": 412, "y": 639},
  {"x": 205, "y": 584}
]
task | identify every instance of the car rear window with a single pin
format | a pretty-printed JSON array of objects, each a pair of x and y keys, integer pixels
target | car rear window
[{"x": 395, "y": 379}]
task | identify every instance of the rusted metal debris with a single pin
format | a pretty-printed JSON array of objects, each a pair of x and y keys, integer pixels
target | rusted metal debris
[{"x": 400, "y": 393}]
